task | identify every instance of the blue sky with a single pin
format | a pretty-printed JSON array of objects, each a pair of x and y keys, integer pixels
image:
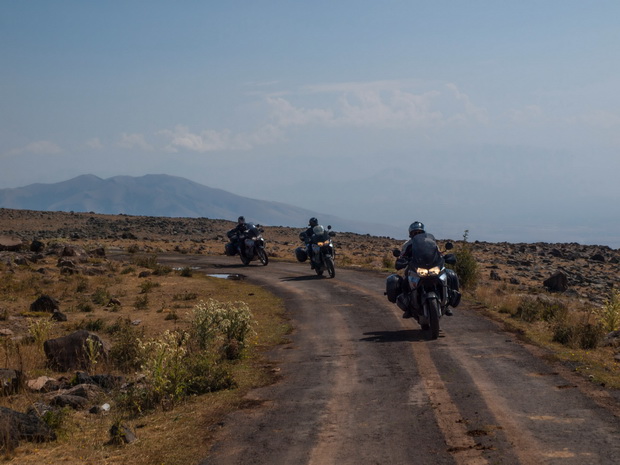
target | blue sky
[{"x": 499, "y": 117}]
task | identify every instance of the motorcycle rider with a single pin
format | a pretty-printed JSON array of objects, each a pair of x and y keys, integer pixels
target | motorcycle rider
[
  {"x": 307, "y": 237},
  {"x": 406, "y": 255},
  {"x": 237, "y": 234}
]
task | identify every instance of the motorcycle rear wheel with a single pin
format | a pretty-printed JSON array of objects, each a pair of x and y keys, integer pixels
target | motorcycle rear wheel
[
  {"x": 329, "y": 264},
  {"x": 433, "y": 318},
  {"x": 245, "y": 260},
  {"x": 319, "y": 270},
  {"x": 262, "y": 256}
]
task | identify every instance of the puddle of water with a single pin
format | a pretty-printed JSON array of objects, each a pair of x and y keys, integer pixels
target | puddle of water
[{"x": 225, "y": 276}]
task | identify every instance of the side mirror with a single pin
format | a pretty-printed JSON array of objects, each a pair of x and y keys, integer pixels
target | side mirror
[
  {"x": 449, "y": 246},
  {"x": 396, "y": 252},
  {"x": 329, "y": 226}
]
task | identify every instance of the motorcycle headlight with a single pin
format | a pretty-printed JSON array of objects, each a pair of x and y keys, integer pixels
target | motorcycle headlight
[
  {"x": 321, "y": 244},
  {"x": 424, "y": 272}
]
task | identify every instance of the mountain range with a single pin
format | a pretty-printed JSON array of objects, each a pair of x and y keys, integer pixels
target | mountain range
[{"x": 170, "y": 196}]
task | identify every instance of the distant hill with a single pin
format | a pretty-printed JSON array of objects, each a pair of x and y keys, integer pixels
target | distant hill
[{"x": 169, "y": 196}]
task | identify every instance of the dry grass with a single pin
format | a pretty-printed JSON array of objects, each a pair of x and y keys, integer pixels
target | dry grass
[
  {"x": 502, "y": 302},
  {"x": 164, "y": 436}
]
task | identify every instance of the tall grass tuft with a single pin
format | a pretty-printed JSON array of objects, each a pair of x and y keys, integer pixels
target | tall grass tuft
[
  {"x": 609, "y": 313},
  {"x": 466, "y": 267},
  {"x": 225, "y": 326}
]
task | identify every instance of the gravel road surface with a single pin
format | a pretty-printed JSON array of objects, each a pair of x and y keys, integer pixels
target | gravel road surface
[{"x": 360, "y": 385}]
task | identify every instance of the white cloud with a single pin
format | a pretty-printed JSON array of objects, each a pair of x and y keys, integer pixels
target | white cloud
[
  {"x": 377, "y": 104},
  {"x": 131, "y": 141},
  {"x": 94, "y": 143},
  {"x": 469, "y": 111},
  {"x": 285, "y": 114},
  {"x": 209, "y": 140},
  {"x": 41, "y": 147}
]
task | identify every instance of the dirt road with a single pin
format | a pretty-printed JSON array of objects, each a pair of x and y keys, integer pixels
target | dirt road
[{"x": 360, "y": 385}]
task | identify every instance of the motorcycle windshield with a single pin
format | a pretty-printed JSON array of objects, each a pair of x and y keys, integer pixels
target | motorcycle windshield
[
  {"x": 252, "y": 230},
  {"x": 424, "y": 251}
]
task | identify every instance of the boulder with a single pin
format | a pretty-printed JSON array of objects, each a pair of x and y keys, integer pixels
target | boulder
[
  {"x": 11, "y": 381},
  {"x": 12, "y": 244},
  {"x": 17, "y": 426},
  {"x": 58, "y": 316},
  {"x": 45, "y": 303},
  {"x": 66, "y": 400},
  {"x": 43, "y": 384},
  {"x": 69, "y": 352},
  {"x": 37, "y": 246},
  {"x": 558, "y": 282},
  {"x": 122, "y": 434}
]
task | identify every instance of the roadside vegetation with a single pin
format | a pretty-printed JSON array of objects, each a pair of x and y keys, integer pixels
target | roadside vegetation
[
  {"x": 573, "y": 332},
  {"x": 188, "y": 347}
]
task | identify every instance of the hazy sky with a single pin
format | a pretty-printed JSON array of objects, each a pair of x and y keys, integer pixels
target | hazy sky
[{"x": 500, "y": 117}]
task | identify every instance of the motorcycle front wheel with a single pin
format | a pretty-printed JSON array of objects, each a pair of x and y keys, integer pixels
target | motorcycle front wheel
[
  {"x": 329, "y": 264},
  {"x": 262, "y": 256},
  {"x": 433, "y": 318}
]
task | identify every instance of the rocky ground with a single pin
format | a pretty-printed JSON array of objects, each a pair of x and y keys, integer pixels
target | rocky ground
[
  {"x": 69, "y": 251},
  {"x": 587, "y": 272}
]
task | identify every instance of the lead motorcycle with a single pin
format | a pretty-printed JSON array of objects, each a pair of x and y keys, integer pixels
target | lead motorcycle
[
  {"x": 250, "y": 245},
  {"x": 322, "y": 250},
  {"x": 428, "y": 287}
]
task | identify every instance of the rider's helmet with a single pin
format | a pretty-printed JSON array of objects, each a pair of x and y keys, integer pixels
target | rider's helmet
[
  {"x": 241, "y": 220},
  {"x": 318, "y": 230},
  {"x": 313, "y": 222},
  {"x": 415, "y": 228}
]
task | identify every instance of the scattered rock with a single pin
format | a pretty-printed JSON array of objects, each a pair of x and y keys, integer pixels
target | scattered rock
[
  {"x": 9, "y": 243},
  {"x": 69, "y": 352},
  {"x": 11, "y": 381},
  {"x": 17, "y": 426},
  {"x": 45, "y": 303},
  {"x": 43, "y": 384},
  {"x": 66, "y": 400},
  {"x": 558, "y": 282},
  {"x": 59, "y": 316},
  {"x": 122, "y": 434}
]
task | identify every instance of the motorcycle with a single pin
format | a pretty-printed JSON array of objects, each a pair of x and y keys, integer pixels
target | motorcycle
[
  {"x": 322, "y": 250},
  {"x": 428, "y": 287},
  {"x": 250, "y": 245}
]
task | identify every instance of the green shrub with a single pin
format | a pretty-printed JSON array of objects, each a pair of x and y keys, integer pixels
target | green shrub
[
  {"x": 101, "y": 296},
  {"x": 125, "y": 350},
  {"x": 186, "y": 272},
  {"x": 146, "y": 286},
  {"x": 580, "y": 335},
  {"x": 609, "y": 314},
  {"x": 142, "y": 302},
  {"x": 466, "y": 268},
  {"x": 536, "y": 309},
  {"x": 93, "y": 325},
  {"x": 224, "y": 326},
  {"x": 145, "y": 261}
]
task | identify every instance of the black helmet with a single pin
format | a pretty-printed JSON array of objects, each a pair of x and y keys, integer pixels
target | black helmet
[
  {"x": 313, "y": 222},
  {"x": 241, "y": 219},
  {"x": 415, "y": 228}
]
